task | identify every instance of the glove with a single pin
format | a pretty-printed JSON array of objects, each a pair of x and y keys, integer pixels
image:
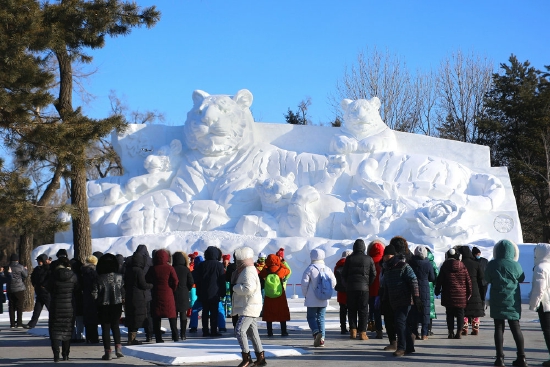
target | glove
[
  {"x": 377, "y": 303},
  {"x": 419, "y": 305}
]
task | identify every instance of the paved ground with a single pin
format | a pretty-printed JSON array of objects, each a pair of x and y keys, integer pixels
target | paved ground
[{"x": 17, "y": 348}]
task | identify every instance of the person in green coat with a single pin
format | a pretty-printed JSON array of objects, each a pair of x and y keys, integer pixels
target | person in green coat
[
  {"x": 433, "y": 315},
  {"x": 504, "y": 273}
]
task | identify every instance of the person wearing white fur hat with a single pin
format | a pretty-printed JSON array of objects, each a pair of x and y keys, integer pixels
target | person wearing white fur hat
[
  {"x": 247, "y": 304},
  {"x": 539, "y": 299},
  {"x": 316, "y": 307}
]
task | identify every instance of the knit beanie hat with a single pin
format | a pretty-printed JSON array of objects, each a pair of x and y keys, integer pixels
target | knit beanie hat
[
  {"x": 317, "y": 254},
  {"x": 453, "y": 254},
  {"x": 346, "y": 253},
  {"x": 14, "y": 257},
  {"x": 226, "y": 257},
  {"x": 91, "y": 260},
  {"x": 244, "y": 253},
  {"x": 476, "y": 251},
  {"x": 421, "y": 251},
  {"x": 281, "y": 253},
  {"x": 390, "y": 250},
  {"x": 62, "y": 253}
]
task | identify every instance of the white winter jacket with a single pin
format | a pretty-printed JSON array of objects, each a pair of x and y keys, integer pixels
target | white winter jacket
[
  {"x": 247, "y": 294},
  {"x": 309, "y": 282},
  {"x": 540, "y": 291}
]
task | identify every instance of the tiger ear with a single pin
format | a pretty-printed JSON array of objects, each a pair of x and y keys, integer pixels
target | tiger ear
[
  {"x": 375, "y": 101},
  {"x": 345, "y": 103},
  {"x": 243, "y": 98},
  {"x": 199, "y": 96}
]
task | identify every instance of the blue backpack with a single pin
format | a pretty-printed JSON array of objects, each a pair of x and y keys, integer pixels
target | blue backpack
[{"x": 323, "y": 289}]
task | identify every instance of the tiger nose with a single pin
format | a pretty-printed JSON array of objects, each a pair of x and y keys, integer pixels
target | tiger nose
[{"x": 210, "y": 117}]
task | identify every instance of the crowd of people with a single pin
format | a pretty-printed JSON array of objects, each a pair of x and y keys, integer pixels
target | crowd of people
[{"x": 376, "y": 285}]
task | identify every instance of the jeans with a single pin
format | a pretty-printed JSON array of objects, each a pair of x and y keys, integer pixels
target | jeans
[
  {"x": 404, "y": 338},
  {"x": 358, "y": 307},
  {"x": 248, "y": 329},
  {"x": 544, "y": 318},
  {"x": 374, "y": 314},
  {"x": 316, "y": 320},
  {"x": 516, "y": 333},
  {"x": 452, "y": 313}
]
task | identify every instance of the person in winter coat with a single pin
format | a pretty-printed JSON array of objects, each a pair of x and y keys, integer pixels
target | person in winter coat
[
  {"x": 247, "y": 305},
  {"x": 275, "y": 309},
  {"x": 165, "y": 282},
  {"x": 196, "y": 305},
  {"x": 78, "y": 332},
  {"x": 316, "y": 307},
  {"x": 15, "y": 287},
  {"x": 39, "y": 280},
  {"x": 62, "y": 284},
  {"x": 209, "y": 277},
  {"x": 400, "y": 288},
  {"x": 109, "y": 295},
  {"x": 341, "y": 296},
  {"x": 483, "y": 264},
  {"x": 359, "y": 272},
  {"x": 433, "y": 314},
  {"x": 88, "y": 279},
  {"x": 539, "y": 299},
  {"x": 475, "y": 305},
  {"x": 375, "y": 250},
  {"x": 148, "y": 322},
  {"x": 424, "y": 275},
  {"x": 135, "y": 287},
  {"x": 228, "y": 277},
  {"x": 455, "y": 287},
  {"x": 504, "y": 273},
  {"x": 185, "y": 283}
]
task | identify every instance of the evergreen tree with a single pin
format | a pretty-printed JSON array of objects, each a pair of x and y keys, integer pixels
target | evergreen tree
[{"x": 517, "y": 128}]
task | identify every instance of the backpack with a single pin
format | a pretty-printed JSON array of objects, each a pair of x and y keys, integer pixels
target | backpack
[
  {"x": 323, "y": 289},
  {"x": 273, "y": 287}
]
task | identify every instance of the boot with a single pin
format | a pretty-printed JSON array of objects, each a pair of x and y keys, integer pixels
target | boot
[
  {"x": 353, "y": 333},
  {"x": 175, "y": 336},
  {"x": 107, "y": 355},
  {"x": 269, "y": 328},
  {"x": 379, "y": 334},
  {"x": 475, "y": 326},
  {"x": 465, "y": 327},
  {"x": 499, "y": 361},
  {"x": 247, "y": 360},
  {"x": 118, "y": 351},
  {"x": 363, "y": 335},
  {"x": 65, "y": 350},
  {"x": 182, "y": 331},
  {"x": 132, "y": 338},
  {"x": 520, "y": 361},
  {"x": 430, "y": 332},
  {"x": 260, "y": 359},
  {"x": 451, "y": 334},
  {"x": 344, "y": 330},
  {"x": 55, "y": 354},
  {"x": 371, "y": 326},
  {"x": 283, "y": 329},
  {"x": 392, "y": 346}
]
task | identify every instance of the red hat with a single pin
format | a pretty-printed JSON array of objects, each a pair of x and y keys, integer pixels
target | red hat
[
  {"x": 281, "y": 252},
  {"x": 193, "y": 255},
  {"x": 226, "y": 257}
]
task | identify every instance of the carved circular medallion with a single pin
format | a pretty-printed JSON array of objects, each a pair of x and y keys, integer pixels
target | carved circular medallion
[{"x": 503, "y": 223}]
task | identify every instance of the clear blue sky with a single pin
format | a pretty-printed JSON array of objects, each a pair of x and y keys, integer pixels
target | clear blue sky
[{"x": 287, "y": 50}]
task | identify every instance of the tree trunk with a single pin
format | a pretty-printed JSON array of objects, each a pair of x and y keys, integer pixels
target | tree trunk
[
  {"x": 25, "y": 249},
  {"x": 546, "y": 234},
  {"x": 82, "y": 236}
]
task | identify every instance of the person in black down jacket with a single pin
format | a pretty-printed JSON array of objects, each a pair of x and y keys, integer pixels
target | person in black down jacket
[
  {"x": 483, "y": 264},
  {"x": 424, "y": 272},
  {"x": 39, "y": 280},
  {"x": 359, "y": 272},
  {"x": 209, "y": 277},
  {"x": 136, "y": 288},
  {"x": 180, "y": 262},
  {"x": 109, "y": 293},
  {"x": 88, "y": 279},
  {"x": 475, "y": 306},
  {"x": 62, "y": 285}
]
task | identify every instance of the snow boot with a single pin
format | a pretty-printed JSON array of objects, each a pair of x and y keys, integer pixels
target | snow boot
[
  {"x": 363, "y": 335},
  {"x": 107, "y": 355},
  {"x": 475, "y": 326},
  {"x": 260, "y": 359},
  {"x": 392, "y": 346},
  {"x": 520, "y": 361},
  {"x": 132, "y": 338},
  {"x": 247, "y": 360},
  {"x": 371, "y": 326},
  {"x": 499, "y": 361},
  {"x": 465, "y": 327},
  {"x": 118, "y": 351},
  {"x": 379, "y": 334},
  {"x": 182, "y": 331},
  {"x": 352, "y": 333}
]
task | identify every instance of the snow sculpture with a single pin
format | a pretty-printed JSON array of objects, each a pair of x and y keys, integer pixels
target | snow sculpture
[{"x": 226, "y": 175}]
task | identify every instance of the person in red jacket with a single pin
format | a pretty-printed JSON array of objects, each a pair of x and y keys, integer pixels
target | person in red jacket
[
  {"x": 275, "y": 309},
  {"x": 165, "y": 281},
  {"x": 341, "y": 295},
  {"x": 375, "y": 250},
  {"x": 455, "y": 287}
]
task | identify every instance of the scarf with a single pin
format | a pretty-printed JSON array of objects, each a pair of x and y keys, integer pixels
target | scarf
[{"x": 241, "y": 264}]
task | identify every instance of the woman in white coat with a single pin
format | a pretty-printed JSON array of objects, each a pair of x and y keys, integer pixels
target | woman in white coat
[
  {"x": 540, "y": 292},
  {"x": 247, "y": 304},
  {"x": 316, "y": 307}
]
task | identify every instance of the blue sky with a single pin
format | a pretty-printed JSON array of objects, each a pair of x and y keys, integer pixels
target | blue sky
[{"x": 285, "y": 51}]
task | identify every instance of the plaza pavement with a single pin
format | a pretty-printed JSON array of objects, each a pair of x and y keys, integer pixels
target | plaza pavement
[{"x": 18, "y": 347}]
